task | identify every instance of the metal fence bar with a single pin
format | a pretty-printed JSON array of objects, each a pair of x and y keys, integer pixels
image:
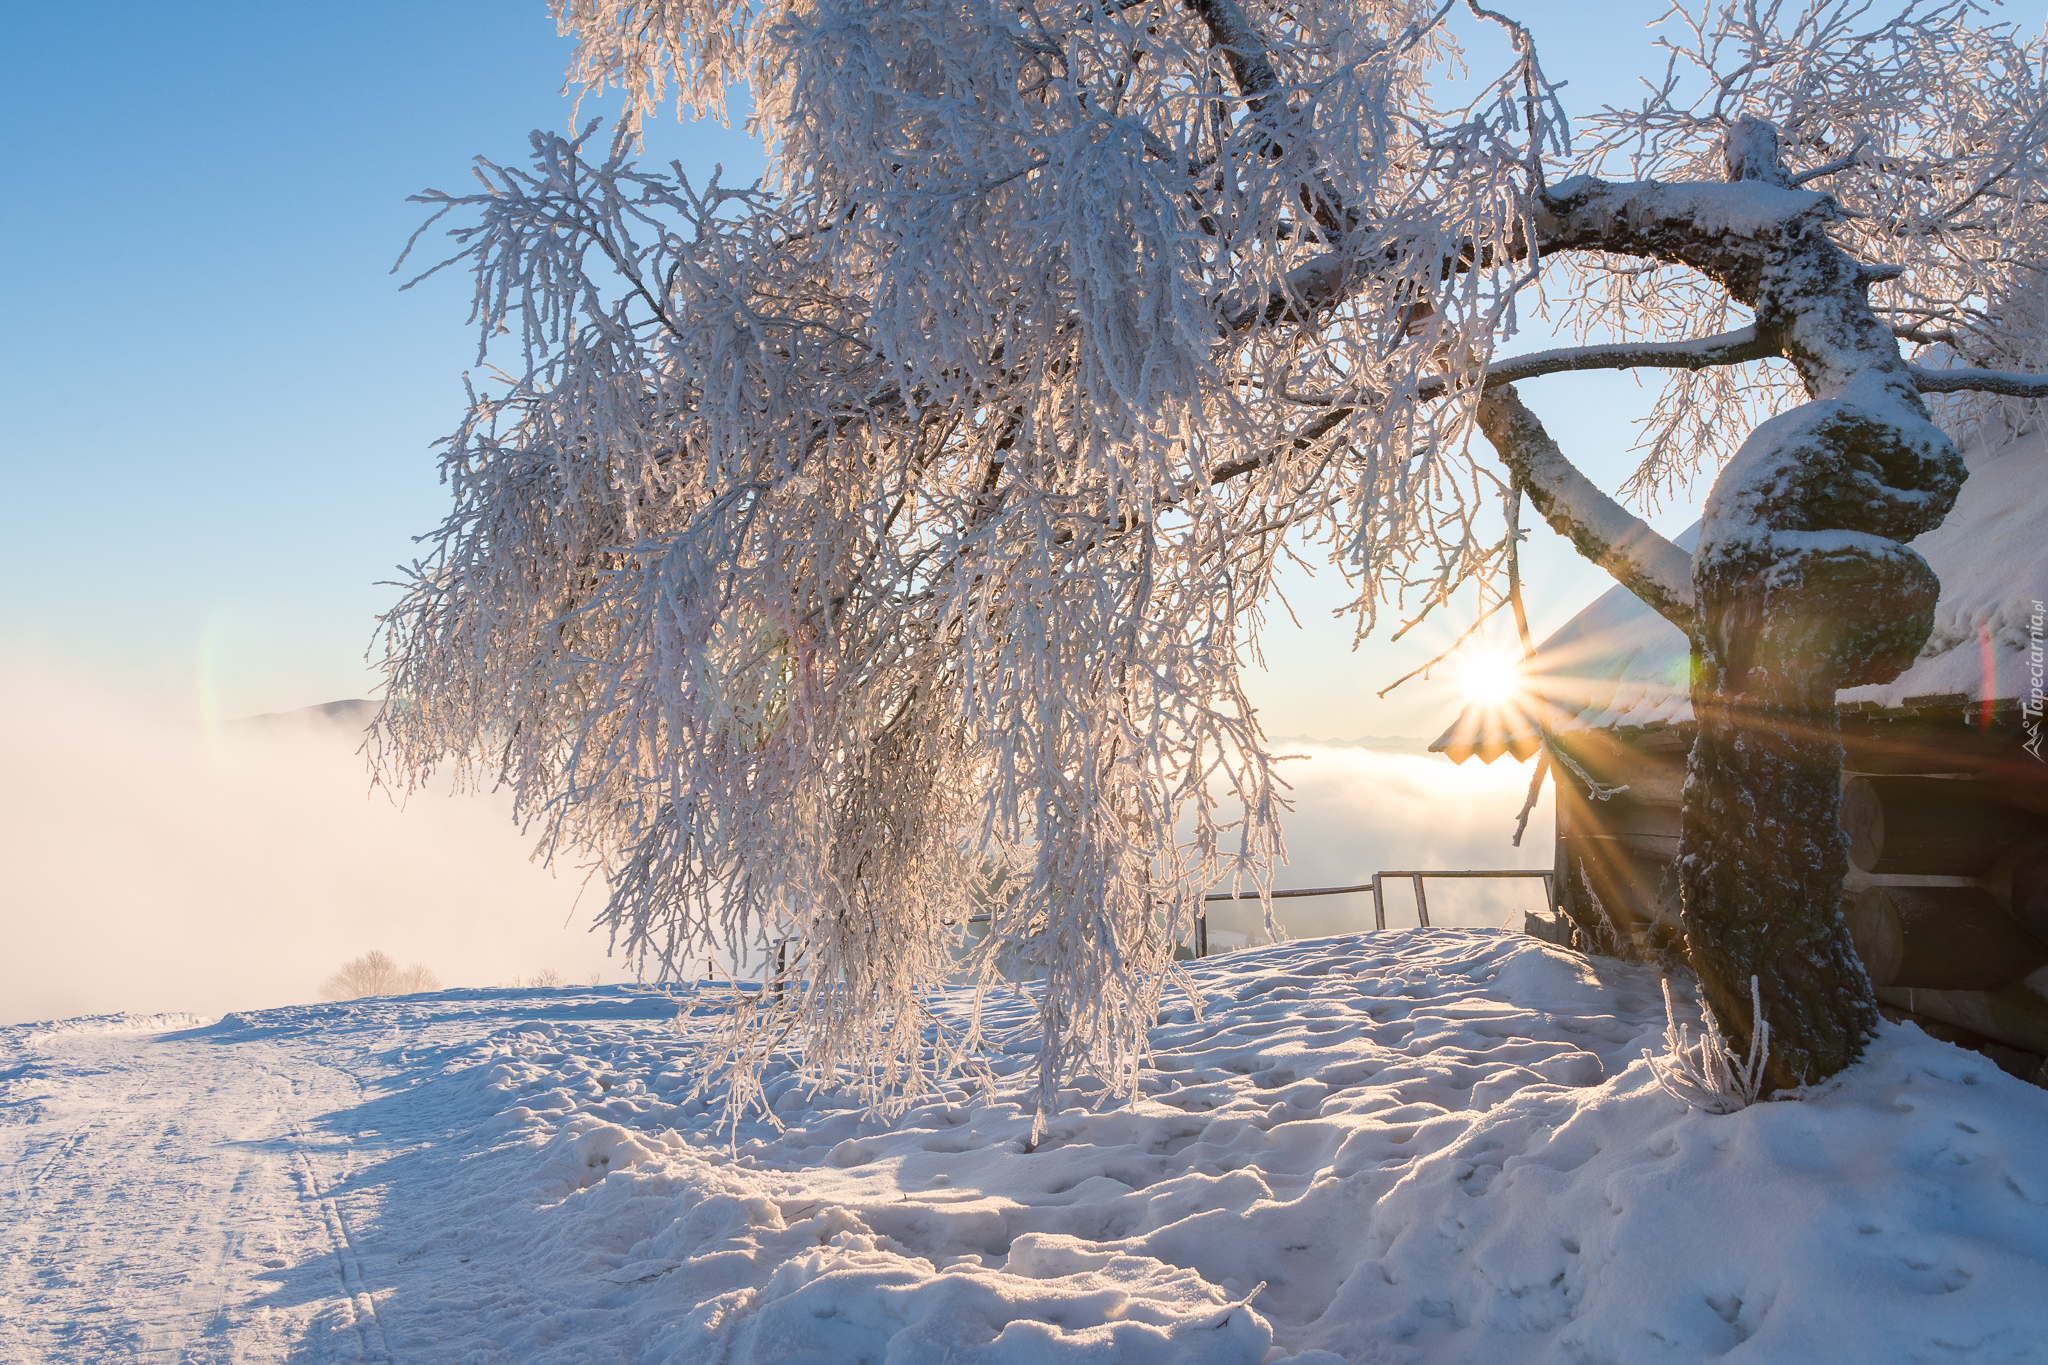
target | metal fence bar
[
  {"x": 1548, "y": 875},
  {"x": 1543, "y": 872},
  {"x": 1379, "y": 898},
  {"x": 1283, "y": 895}
]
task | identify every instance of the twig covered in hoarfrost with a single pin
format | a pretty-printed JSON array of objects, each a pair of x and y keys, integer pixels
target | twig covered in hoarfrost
[
  {"x": 841, "y": 542},
  {"x": 1707, "y": 1074}
]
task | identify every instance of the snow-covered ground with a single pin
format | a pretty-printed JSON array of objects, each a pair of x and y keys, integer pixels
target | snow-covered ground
[{"x": 1414, "y": 1146}]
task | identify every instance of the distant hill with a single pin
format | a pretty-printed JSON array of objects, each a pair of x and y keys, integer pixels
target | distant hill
[{"x": 355, "y": 714}]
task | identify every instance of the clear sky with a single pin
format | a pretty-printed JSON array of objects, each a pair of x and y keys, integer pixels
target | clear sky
[{"x": 220, "y": 408}]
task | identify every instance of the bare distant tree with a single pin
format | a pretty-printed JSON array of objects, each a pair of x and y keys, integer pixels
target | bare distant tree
[
  {"x": 377, "y": 973},
  {"x": 837, "y": 538}
]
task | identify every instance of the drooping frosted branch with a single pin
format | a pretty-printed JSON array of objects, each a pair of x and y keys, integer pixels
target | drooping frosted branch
[{"x": 1642, "y": 561}]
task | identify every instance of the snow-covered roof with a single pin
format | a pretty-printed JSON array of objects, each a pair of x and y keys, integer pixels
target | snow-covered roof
[{"x": 1618, "y": 663}]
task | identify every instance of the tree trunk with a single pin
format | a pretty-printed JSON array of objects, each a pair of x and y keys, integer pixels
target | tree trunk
[
  {"x": 1800, "y": 589},
  {"x": 1802, "y": 584},
  {"x": 1761, "y": 867}
]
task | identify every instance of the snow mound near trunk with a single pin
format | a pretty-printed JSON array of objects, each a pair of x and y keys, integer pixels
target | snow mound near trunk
[
  {"x": 1896, "y": 1215},
  {"x": 1435, "y": 1145}
]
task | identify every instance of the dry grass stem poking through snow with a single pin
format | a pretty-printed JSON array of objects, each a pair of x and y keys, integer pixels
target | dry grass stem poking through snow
[{"x": 1706, "y": 1075}]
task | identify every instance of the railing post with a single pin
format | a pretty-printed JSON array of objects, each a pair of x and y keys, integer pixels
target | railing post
[
  {"x": 1421, "y": 903},
  {"x": 1379, "y": 904},
  {"x": 1201, "y": 933}
]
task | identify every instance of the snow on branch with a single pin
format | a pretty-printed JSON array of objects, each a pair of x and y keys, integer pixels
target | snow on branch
[
  {"x": 1927, "y": 125},
  {"x": 1729, "y": 348},
  {"x": 1967, "y": 380},
  {"x": 1644, "y": 562}
]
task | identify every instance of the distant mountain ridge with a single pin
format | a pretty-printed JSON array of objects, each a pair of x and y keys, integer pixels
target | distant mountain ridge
[{"x": 355, "y": 712}]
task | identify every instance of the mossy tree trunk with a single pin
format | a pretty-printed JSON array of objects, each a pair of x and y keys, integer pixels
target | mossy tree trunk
[{"x": 1802, "y": 584}]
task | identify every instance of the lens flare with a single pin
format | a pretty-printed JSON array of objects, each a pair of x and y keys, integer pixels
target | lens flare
[{"x": 1487, "y": 675}]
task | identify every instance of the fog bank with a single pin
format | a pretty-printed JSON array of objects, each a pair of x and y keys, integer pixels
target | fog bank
[{"x": 150, "y": 864}]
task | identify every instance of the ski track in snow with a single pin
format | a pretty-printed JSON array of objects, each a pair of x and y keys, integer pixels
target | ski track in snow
[{"x": 1427, "y": 1146}]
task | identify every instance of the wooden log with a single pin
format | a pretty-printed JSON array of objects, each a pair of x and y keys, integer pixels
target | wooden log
[
  {"x": 2015, "y": 1016},
  {"x": 1625, "y": 816},
  {"x": 1949, "y": 938},
  {"x": 1930, "y": 826},
  {"x": 2030, "y": 890},
  {"x": 1874, "y": 925},
  {"x": 1933, "y": 1027}
]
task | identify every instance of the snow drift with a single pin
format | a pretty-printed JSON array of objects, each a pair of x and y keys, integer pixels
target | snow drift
[{"x": 1418, "y": 1146}]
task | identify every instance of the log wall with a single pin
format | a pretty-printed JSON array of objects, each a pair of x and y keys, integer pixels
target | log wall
[{"x": 1947, "y": 821}]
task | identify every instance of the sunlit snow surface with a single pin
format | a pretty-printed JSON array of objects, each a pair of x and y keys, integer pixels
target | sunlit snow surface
[{"x": 1433, "y": 1145}]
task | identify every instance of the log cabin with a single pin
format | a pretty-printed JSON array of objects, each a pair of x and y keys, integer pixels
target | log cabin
[{"x": 1945, "y": 800}]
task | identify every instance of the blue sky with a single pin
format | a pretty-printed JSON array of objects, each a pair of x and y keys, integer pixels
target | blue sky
[{"x": 220, "y": 408}]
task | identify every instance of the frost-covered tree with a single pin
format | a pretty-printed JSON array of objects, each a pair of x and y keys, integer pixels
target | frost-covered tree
[
  {"x": 377, "y": 973},
  {"x": 833, "y": 551}
]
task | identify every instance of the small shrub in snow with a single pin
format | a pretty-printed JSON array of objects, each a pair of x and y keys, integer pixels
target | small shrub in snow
[
  {"x": 377, "y": 973},
  {"x": 1706, "y": 1074}
]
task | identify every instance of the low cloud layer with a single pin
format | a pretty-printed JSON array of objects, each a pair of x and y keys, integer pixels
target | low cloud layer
[{"x": 149, "y": 865}]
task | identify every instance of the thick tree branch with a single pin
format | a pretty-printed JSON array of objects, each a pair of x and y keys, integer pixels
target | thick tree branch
[
  {"x": 1734, "y": 233},
  {"x": 1728, "y": 232},
  {"x": 1642, "y": 561},
  {"x": 1231, "y": 29},
  {"x": 1729, "y": 348},
  {"x": 1979, "y": 381},
  {"x": 1304, "y": 291}
]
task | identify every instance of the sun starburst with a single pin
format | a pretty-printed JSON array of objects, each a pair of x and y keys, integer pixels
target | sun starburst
[{"x": 1488, "y": 675}]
